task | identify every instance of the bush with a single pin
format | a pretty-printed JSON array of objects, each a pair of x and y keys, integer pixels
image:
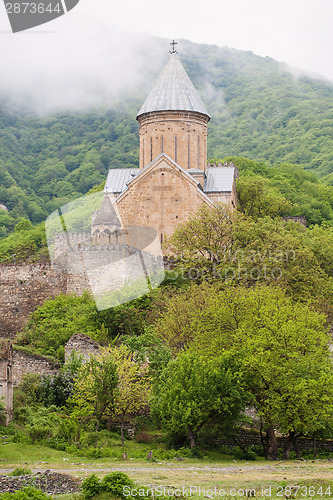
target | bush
[
  {"x": 144, "y": 437},
  {"x": 20, "y": 471},
  {"x": 91, "y": 486},
  {"x": 244, "y": 454},
  {"x": 28, "y": 493},
  {"x": 111, "y": 483},
  {"x": 115, "y": 482}
]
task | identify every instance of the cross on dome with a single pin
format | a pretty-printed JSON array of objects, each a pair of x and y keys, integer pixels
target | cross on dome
[{"x": 173, "y": 44}]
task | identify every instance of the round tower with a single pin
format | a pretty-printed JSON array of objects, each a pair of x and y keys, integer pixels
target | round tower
[{"x": 173, "y": 120}]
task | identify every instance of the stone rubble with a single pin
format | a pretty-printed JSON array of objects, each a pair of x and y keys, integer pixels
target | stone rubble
[{"x": 49, "y": 482}]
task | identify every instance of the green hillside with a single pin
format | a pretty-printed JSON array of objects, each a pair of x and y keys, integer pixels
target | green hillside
[{"x": 259, "y": 111}]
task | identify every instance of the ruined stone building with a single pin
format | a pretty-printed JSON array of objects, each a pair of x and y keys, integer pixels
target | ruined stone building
[{"x": 6, "y": 378}]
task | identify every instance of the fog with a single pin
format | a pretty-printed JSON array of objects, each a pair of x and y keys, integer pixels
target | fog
[
  {"x": 76, "y": 62},
  {"x": 76, "y": 66}
]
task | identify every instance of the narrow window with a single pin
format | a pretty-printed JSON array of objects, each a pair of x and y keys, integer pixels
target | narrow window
[
  {"x": 162, "y": 144},
  {"x": 143, "y": 152},
  {"x": 161, "y": 238},
  {"x": 176, "y": 149},
  {"x": 188, "y": 152},
  {"x": 198, "y": 152},
  {"x": 151, "y": 149}
]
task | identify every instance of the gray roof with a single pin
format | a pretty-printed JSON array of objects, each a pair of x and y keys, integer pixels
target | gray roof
[
  {"x": 173, "y": 91},
  {"x": 106, "y": 215},
  {"x": 219, "y": 179},
  {"x": 118, "y": 178}
]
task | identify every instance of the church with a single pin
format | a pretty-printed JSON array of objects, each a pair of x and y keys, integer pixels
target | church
[{"x": 173, "y": 179}]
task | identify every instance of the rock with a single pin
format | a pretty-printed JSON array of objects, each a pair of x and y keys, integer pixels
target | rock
[{"x": 48, "y": 482}]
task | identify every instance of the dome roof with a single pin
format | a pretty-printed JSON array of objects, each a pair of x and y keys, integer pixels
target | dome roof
[
  {"x": 173, "y": 91},
  {"x": 106, "y": 215}
]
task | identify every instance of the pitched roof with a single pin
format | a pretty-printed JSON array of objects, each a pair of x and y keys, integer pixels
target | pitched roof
[
  {"x": 118, "y": 178},
  {"x": 106, "y": 215},
  {"x": 219, "y": 180},
  {"x": 173, "y": 91},
  {"x": 164, "y": 156}
]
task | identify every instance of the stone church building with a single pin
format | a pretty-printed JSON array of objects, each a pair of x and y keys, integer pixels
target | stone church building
[{"x": 173, "y": 179}]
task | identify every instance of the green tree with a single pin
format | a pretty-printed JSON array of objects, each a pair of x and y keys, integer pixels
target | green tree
[
  {"x": 53, "y": 323},
  {"x": 133, "y": 387},
  {"x": 192, "y": 391},
  {"x": 218, "y": 245},
  {"x": 257, "y": 199},
  {"x": 284, "y": 349},
  {"x": 95, "y": 390},
  {"x": 23, "y": 225},
  {"x": 148, "y": 348}
]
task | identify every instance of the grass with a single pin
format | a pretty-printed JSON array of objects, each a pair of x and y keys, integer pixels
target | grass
[{"x": 235, "y": 477}]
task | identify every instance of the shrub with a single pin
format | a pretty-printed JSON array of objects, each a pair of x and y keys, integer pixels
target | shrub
[
  {"x": 111, "y": 483},
  {"x": 144, "y": 437},
  {"x": 20, "y": 471},
  {"x": 91, "y": 486},
  {"x": 115, "y": 482},
  {"x": 244, "y": 454},
  {"x": 28, "y": 493}
]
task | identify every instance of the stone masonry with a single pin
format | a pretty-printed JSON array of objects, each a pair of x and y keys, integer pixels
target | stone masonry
[
  {"x": 162, "y": 198},
  {"x": 6, "y": 378},
  {"x": 180, "y": 135},
  {"x": 31, "y": 363},
  {"x": 23, "y": 288},
  {"x": 82, "y": 345}
]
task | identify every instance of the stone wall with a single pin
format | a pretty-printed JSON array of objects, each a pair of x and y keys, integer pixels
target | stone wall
[
  {"x": 31, "y": 363},
  {"x": 163, "y": 198},
  {"x": 82, "y": 345},
  {"x": 182, "y": 135},
  {"x": 247, "y": 439},
  {"x": 22, "y": 289},
  {"x": 6, "y": 378}
]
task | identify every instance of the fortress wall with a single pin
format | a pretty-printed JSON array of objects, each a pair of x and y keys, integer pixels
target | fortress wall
[{"x": 22, "y": 289}]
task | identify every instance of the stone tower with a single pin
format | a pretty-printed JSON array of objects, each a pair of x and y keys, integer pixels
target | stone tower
[{"x": 173, "y": 120}]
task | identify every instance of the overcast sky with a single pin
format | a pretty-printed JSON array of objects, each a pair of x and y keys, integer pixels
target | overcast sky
[
  {"x": 85, "y": 44},
  {"x": 298, "y": 32}
]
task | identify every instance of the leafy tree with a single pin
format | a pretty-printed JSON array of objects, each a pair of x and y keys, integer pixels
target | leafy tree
[
  {"x": 147, "y": 348},
  {"x": 284, "y": 350},
  {"x": 192, "y": 391},
  {"x": 23, "y": 225},
  {"x": 57, "y": 389},
  {"x": 95, "y": 391},
  {"x": 257, "y": 199},
  {"x": 133, "y": 387},
  {"x": 53, "y": 323},
  {"x": 218, "y": 245}
]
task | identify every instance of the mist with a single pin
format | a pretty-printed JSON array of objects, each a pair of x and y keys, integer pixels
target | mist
[
  {"x": 77, "y": 66},
  {"x": 84, "y": 63}
]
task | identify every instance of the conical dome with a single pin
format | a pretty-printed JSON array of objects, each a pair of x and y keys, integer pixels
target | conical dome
[
  {"x": 106, "y": 215},
  {"x": 173, "y": 91}
]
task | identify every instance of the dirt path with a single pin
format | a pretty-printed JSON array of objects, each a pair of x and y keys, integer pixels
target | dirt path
[{"x": 168, "y": 467}]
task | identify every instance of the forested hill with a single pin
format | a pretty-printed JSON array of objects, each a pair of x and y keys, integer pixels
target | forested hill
[{"x": 259, "y": 110}]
